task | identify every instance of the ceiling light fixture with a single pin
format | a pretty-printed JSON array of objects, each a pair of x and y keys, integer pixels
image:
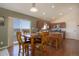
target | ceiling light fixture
[
  {"x": 60, "y": 13},
  {"x": 70, "y": 8},
  {"x": 33, "y": 9},
  {"x": 44, "y": 13},
  {"x": 53, "y": 6}
]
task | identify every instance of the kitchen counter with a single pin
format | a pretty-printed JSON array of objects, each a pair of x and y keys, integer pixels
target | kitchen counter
[{"x": 58, "y": 33}]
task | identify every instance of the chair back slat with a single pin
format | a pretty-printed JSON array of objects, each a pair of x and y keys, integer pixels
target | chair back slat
[
  {"x": 19, "y": 39},
  {"x": 44, "y": 38}
]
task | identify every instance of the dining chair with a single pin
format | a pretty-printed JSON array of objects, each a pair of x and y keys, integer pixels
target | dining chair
[
  {"x": 44, "y": 36},
  {"x": 44, "y": 42},
  {"x": 56, "y": 40},
  {"x": 21, "y": 44},
  {"x": 32, "y": 38},
  {"x": 35, "y": 41}
]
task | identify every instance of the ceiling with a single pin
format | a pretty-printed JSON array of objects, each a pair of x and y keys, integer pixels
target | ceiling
[{"x": 46, "y": 11}]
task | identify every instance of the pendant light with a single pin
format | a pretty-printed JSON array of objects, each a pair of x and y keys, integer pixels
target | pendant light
[{"x": 33, "y": 9}]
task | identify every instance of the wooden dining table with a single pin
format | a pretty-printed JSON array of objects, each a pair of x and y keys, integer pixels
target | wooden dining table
[{"x": 32, "y": 39}]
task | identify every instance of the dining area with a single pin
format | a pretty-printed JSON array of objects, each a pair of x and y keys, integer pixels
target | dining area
[
  {"x": 37, "y": 39},
  {"x": 31, "y": 43},
  {"x": 24, "y": 33}
]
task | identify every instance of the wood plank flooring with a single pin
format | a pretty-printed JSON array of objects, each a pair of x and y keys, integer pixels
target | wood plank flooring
[{"x": 69, "y": 48}]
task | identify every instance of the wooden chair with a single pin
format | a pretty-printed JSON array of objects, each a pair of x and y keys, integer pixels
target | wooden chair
[
  {"x": 22, "y": 44},
  {"x": 44, "y": 41},
  {"x": 56, "y": 40},
  {"x": 45, "y": 38},
  {"x": 42, "y": 45},
  {"x": 32, "y": 45},
  {"x": 34, "y": 42}
]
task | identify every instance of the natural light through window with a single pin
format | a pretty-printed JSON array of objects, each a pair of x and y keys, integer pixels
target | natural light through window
[{"x": 21, "y": 24}]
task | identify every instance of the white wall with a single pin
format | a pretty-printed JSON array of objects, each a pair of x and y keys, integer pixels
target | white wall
[{"x": 71, "y": 20}]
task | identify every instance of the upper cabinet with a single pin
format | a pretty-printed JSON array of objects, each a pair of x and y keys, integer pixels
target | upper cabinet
[
  {"x": 39, "y": 24},
  {"x": 61, "y": 24}
]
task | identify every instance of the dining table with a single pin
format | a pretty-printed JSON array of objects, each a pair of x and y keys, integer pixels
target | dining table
[{"x": 32, "y": 39}]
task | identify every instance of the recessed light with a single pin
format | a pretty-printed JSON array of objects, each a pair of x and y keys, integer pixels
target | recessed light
[
  {"x": 44, "y": 13},
  {"x": 53, "y": 17},
  {"x": 60, "y": 13},
  {"x": 53, "y": 6},
  {"x": 70, "y": 8}
]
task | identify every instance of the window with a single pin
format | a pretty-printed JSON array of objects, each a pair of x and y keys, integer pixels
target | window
[{"x": 21, "y": 24}]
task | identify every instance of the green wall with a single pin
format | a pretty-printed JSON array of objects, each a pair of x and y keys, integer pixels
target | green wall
[
  {"x": 3, "y": 34},
  {"x": 4, "y": 30}
]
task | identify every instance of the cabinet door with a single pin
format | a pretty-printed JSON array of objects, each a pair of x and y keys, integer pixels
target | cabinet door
[{"x": 40, "y": 24}]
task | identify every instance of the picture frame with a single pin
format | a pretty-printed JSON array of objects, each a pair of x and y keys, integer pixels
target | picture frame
[{"x": 2, "y": 21}]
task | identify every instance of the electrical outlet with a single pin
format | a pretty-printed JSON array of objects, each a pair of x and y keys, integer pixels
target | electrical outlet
[{"x": 1, "y": 43}]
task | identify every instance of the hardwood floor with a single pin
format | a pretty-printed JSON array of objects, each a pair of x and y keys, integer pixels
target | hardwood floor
[{"x": 69, "y": 48}]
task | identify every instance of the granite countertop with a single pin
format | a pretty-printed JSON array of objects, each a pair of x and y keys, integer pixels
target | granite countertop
[{"x": 55, "y": 32}]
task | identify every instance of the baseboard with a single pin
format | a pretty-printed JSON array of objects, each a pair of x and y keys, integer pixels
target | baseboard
[
  {"x": 71, "y": 39},
  {"x": 4, "y": 47},
  {"x": 8, "y": 46}
]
